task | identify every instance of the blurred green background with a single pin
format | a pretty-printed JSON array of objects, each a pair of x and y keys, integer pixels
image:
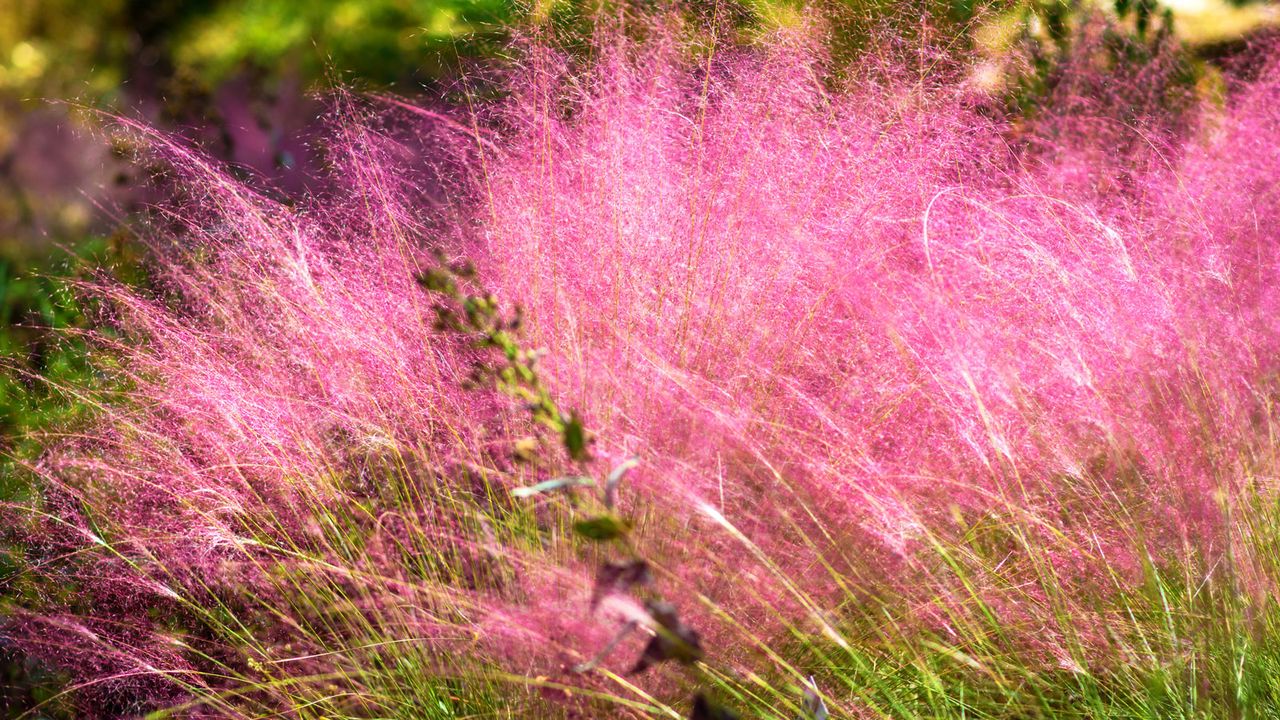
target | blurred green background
[{"x": 245, "y": 78}]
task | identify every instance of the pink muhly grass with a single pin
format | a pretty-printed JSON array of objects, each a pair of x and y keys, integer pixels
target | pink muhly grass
[{"x": 896, "y": 377}]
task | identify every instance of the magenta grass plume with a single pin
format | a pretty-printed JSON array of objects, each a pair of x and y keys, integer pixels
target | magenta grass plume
[{"x": 942, "y": 410}]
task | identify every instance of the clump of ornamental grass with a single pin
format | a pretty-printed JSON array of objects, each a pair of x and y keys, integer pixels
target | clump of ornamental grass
[{"x": 691, "y": 379}]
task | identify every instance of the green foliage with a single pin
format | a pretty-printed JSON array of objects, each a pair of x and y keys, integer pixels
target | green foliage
[
  {"x": 376, "y": 41},
  {"x": 45, "y": 366},
  {"x": 602, "y": 528},
  {"x": 507, "y": 366},
  {"x": 44, "y": 360},
  {"x": 51, "y": 47}
]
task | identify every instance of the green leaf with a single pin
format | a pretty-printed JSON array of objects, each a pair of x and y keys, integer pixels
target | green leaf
[
  {"x": 575, "y": 438},
  {"x": 438, "y": 280},
  {"x": 602, "y": 528}
]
